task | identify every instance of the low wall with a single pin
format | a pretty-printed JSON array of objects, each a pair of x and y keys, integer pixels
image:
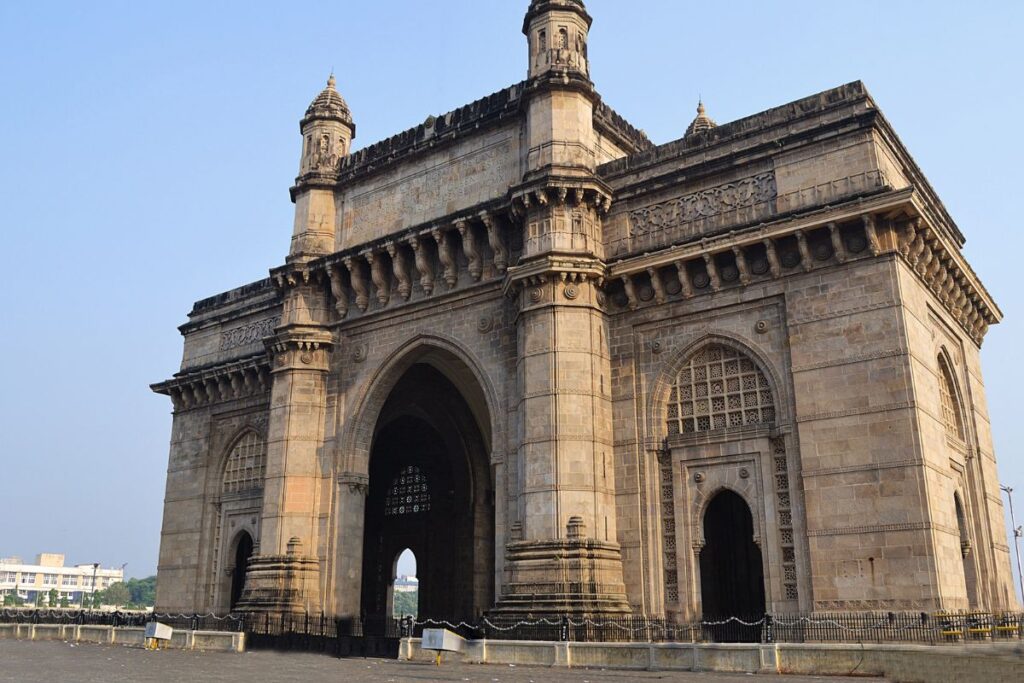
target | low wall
[
  {"x": 898, "y": 663},
  {"x": 218, "y": 641}
]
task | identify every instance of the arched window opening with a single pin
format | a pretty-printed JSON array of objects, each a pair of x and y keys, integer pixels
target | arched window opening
[
  {"x": 951, "y": 414},
  {"x": 563, "y": 38},
  {"x": 719, "y": 388},
  {"x": 409, "y": 493},
  {"x": 243, "y": 551},
  {"x": 405, "y": 587},
  {"x": 244, "y": 469}
]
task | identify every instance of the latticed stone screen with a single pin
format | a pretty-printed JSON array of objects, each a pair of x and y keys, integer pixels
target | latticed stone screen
[
  {"x": 719, "y": 388},
  {"x": 246, "y": 464},
  {"x": 409, "y": 493},
  {"x": 950, "y": 406}
]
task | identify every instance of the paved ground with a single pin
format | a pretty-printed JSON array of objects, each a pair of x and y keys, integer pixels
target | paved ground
[{"x": 50, "y": 661}]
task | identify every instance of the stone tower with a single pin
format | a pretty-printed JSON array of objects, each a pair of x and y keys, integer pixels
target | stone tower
[
  {"x": 284, "y": 574},
  {"x": 567, "y": 558}
]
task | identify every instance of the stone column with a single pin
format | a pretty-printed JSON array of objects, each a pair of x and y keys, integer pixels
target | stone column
[
  {"x": 350, "y": 512},
  {"x": 568, "y": 560},
  {"x": 284, "y": 576}
]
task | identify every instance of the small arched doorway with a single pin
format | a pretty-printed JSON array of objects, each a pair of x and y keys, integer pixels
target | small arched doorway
[
  {"x": 243, "y": 551},
  {"x": 970, "y": 576},
  {"x": 731, "y": 571},
  {"x": 404, "y": 596}
]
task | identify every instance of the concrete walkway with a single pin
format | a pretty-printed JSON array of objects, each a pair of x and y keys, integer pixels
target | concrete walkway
[{"x": 47, "y": 661}]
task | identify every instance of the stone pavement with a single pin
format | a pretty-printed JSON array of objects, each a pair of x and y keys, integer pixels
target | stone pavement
[{"x": 45, "y": 662}]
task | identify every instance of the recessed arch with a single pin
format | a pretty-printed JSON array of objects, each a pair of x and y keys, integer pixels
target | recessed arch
[
  {"x": 241, "y": 552},
  {"x": 731, "y": 566},
  {"x": 966, "y": 546},
  {"x": 431, "y": 486},
  {"x": 661, "y": 388},
  {"x": 950, "y": 396},
  {"x": 244, "y": 466},
  {"x": 453, "y": 360}
]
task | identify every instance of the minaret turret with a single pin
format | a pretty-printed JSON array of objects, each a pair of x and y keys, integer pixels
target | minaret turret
[
  {"x": 557, "y": 32},
  {"x": 327, "y": 134}
]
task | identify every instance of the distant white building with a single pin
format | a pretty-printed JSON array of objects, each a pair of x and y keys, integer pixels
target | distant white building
[
  {"x": 407, "y": 584},
  {"x": 49, "y": 573}
]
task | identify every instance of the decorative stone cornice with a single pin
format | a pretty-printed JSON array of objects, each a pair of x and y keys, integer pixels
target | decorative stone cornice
[
  {"x": 944, "y": 271},
  {"x": 554, "y": 268},
  {"x": 231, "y": 381},
  {"x": 300, "y": 347},
  {"x": 572, "y": 191},
  {"x": 358, "y": 276}
]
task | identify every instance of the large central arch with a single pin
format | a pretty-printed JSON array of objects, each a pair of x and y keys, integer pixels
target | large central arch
[{"x": 430, "y": 491}]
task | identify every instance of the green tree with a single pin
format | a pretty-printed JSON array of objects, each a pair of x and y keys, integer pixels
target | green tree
[
  {"x": 143, "y": 591},
  {"x": 12, "y": 599},
  {"x": 116, "y": 594},
  {"x": 40, "y": 599},
  {"x": 64, "y": 602},
  {"x": 53, "y": 597},
  {"x": 406, "y": 604}
]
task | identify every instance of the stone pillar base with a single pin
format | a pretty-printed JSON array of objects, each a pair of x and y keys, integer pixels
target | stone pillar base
[
  {"x": 577, "y": 577},
  {"x": 281, "y": 584}
]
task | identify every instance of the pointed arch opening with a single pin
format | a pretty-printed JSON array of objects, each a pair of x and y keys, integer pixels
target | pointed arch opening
[
  {"x": 405, "y": 586},
  {"x": 243, "y": 553},
  {"x": 970, "y": 575},
  {"x": 719, "y": 387},
  {"x": 952, "y": 415},
  {"x": 246, "y": 465},
  {"x": 731, "y": 570},
  {"x": 431, "y": 493}
]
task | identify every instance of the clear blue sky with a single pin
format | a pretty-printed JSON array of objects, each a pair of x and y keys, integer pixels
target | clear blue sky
[{"x": 146, "y": 154}]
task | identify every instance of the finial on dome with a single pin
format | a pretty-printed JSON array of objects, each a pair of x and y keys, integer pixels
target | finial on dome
[
  {"x": 330, "y": 80},
  {"x": 702, "y": 123}
]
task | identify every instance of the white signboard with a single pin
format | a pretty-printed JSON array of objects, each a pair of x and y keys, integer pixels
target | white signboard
[{"x": 442, "y": 640}]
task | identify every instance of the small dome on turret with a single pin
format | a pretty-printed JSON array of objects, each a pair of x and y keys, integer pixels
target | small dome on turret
[
  {"x": 540, "y": 6},
  {"x": 702, "y": 123},
  {"x": 329, "y": 105}
]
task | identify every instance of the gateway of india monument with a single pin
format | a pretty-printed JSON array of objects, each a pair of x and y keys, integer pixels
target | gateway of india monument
[{"x": 575, "y": 372}]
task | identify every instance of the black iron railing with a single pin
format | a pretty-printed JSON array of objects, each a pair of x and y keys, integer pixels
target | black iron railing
[{"x": 378, "y": 635}]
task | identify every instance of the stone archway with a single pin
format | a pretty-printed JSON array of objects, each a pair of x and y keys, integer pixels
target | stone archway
[
  {"x": 243, "y": 552},
  {"x": 430, "y": 492},
  {"x": 970, "y": 574},
  {"x": 731, "y": 569}
]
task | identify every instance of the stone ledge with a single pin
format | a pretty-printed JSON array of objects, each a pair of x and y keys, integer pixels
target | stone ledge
[
  {"x": 206, "y": 641},
  {"x": 923, "y": 663}
]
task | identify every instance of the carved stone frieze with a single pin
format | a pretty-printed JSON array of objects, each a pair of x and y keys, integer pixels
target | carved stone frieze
[
  {"x": 679, "y": 212},
  {"x": 249, "y": 333}
]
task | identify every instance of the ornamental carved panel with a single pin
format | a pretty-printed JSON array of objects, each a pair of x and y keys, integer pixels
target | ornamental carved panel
[
  {"x": 689, "y": 211},
  {"x": 248, "y": 334}
]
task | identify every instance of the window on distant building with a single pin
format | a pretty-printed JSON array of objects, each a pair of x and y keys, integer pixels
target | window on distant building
[
  {"x": 69, "y": 581},
  {"x": 28, "y": 578},
  {"x": 49, "y": 579}
]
